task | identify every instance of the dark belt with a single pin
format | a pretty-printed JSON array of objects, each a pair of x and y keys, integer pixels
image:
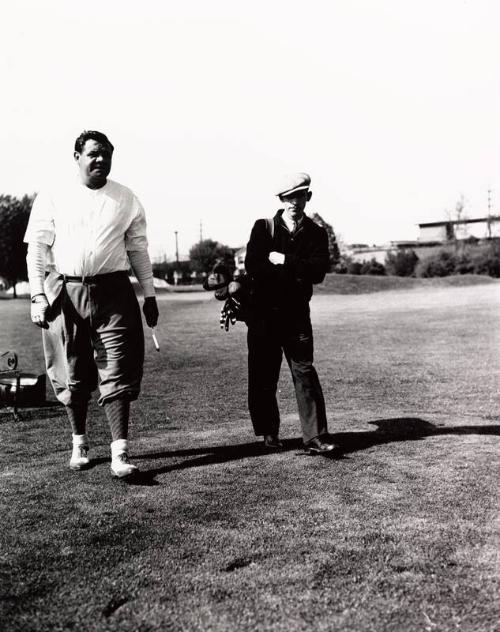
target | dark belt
[{"x": 98, "y": 278}]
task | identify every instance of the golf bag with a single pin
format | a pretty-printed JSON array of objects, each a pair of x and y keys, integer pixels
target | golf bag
[{"x": 236, "y": 292}]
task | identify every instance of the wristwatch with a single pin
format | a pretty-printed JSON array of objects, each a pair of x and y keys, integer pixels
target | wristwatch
[{"x": 39, "y": 298}]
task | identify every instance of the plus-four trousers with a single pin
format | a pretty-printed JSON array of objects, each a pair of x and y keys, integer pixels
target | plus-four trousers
[
  {"x": 95, "y": 337},
  {"x": 268, "y": 338}
]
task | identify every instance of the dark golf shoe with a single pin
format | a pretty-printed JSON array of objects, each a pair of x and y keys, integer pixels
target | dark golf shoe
[
  {"x": 319, "y": 446},
  {"x": 272, "y": 442}
]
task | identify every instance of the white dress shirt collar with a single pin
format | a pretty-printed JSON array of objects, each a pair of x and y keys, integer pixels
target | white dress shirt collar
[{"x": 290, "y": 223}]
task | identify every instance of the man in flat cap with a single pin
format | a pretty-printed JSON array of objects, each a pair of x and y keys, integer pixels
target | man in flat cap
[
  {"x": 285, "y": 262},
  {"x": 91, "y": 230}
]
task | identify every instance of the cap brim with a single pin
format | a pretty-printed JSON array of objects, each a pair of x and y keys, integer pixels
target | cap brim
[{"x": 287, "y": 193}]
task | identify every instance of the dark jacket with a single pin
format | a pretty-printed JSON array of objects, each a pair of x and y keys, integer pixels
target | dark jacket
[{"x": 306, "y": 262}]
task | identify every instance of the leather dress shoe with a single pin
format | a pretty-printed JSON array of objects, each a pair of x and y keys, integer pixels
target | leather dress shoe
[
  {"x": 319, "y": 446},
  {"x": 272, "y": 442}
]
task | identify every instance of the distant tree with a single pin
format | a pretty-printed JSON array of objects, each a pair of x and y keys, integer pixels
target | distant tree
[
  {"x": 401, "y": 263},
  {"x": 14, "y": 215},
  {"x": 455, "y": 218},
  {"x": 160, "y": 269},
  {"x": 353, "y": 266},
  {"x": 464, "y": 264},
  {"x": 204, "y": 254},
  {"x": 441, "y": 264},
  {"x": 488, "y": 262},
  {"x": 180, "y": 273},
  {"x": 367, "y": 266},
  {"x": 333, "y": 246},
  {"x": 165, "y": 270},
  {"x": 373, "y": 267}
]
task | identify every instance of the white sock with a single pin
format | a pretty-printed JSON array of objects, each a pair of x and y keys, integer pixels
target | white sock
[
  {"x": 80, "y": 440},
  {"x": 118, "y": 447}
]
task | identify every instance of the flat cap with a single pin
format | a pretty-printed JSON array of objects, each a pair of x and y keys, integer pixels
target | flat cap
[{"x": 294, "y": 182}]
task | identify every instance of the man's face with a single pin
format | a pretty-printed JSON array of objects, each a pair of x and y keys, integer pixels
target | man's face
[
  {"x": 94, "y": 163},
  {"x": 295, "y": 203}
]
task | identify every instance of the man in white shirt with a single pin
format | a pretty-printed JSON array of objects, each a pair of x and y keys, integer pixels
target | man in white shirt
[{"x": 88, "y": 233}]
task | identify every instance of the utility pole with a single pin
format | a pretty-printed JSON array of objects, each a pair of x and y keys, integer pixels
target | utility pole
[
  {"x": 201, "y": 230},
  {"x": 489, "y": 214},
  {"x": 176, "y": 247}
]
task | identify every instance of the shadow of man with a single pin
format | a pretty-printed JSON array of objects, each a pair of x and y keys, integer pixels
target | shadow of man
[
  {"x": 402, "y": 429},
  {"x": 387, "y": 431}
]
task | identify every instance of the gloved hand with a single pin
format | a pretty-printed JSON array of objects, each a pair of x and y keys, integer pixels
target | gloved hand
[
  {"x": 150, "y": 309},
  {"x": 39, "y": 307},
  {"x": 228, "y": 313}
]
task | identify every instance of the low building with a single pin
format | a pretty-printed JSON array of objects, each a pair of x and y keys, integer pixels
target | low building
[
  {"x": 363, "y": 252},
  {"x": 478, "y": 228},
  {"x": 432, "y": 235}
]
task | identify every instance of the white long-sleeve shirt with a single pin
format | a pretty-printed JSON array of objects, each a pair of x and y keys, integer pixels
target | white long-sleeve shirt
[{"x": 89, "y": 231}]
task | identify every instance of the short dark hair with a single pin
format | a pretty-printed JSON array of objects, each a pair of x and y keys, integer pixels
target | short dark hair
[{"x": 91, "y": 134}]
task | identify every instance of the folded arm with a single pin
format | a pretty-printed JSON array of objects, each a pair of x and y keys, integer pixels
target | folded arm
[
  {"x": 257, "y": 262},
  {"x": 313, "y": 267}
]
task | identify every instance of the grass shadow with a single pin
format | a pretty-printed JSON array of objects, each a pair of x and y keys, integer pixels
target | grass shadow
[
  {"x": 400, "y": 429},
  {"x": 387, "y": 431},
  {"x": 210, "y": 455}
]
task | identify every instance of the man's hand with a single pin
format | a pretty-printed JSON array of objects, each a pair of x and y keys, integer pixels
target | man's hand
[
  {"x": 228, "y": 313},
  {"x": 277, "y": 258},
  {"x": 39, "y": 307},
  {"x": 150, "y": 309}
]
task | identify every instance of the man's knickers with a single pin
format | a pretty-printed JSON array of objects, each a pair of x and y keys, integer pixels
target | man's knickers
[{"x": 95, "y": 336}]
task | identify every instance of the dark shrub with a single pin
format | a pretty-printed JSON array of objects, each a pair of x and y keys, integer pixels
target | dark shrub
[
  {"x": 354, "y": 267},
  {"x": 341, "y": 266},
  {"x": 471, "y": 240},
  {"x": 165, "y": 270},
  {"x": 464, "y": 264},
  {"x": 488, "y": 262},
  {"x": 373, "y": 267},
  {"x": 439, "y": 265},
  {"x": 401, "y": 262}
]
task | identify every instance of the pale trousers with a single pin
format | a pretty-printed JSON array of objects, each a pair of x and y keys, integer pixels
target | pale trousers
[{"x": 95, "y": 338}]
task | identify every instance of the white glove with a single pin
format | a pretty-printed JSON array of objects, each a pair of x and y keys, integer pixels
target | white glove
[
  {"x": 39, "y": 307},
  {"x": 277, "y": 258}
]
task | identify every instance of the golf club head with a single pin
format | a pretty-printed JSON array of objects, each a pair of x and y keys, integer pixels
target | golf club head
[{"x": 222, "y": 293}]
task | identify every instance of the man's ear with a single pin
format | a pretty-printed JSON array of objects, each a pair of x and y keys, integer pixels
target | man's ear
[
  {"x": 309, "y": 195},
  {"x": 76, "y": 156}
]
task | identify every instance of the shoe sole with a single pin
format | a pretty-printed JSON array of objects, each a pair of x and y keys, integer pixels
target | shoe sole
[
  {"x": 122, "y": 476},
  {"x": 315, "y": 451},
  {"x": 78, "y": 468}
]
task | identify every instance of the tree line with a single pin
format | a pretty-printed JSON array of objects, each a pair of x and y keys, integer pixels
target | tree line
[
  {"x": 469, "y": 258},
  {"x": 204, "y": 254},
  {"x": 14, "y": 215}
]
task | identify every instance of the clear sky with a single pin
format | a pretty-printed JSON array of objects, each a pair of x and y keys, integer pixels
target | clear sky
[{"x": 392, "y": 106}]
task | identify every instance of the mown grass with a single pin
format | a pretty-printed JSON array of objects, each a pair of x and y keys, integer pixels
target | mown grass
[
  {"x": 364, "y": 284},
  {"x": 398, "y": 531}
]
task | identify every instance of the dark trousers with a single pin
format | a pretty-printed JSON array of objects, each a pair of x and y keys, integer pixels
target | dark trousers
[{"x": 268, "y": 337}]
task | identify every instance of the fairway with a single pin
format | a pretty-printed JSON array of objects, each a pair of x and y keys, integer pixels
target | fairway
[{"x": 398, "y": 531}]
